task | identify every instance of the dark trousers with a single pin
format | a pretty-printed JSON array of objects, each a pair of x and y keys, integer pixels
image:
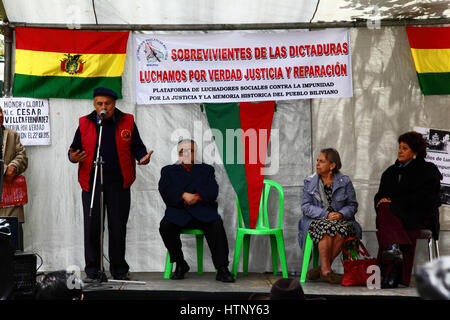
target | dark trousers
[
  {"x": 214, "y": 233},
  {"x": 117, "y": 205},
  {"x": 391, "y": 230}
]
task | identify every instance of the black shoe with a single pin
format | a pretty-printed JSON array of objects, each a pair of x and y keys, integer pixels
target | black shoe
[
  {"x": 91, "y": 279},
  {"x": 393, "y": 253},
  {"x": 392, "y": 279},
  {"x": 95, "y": 278},
  {"x": 124, "y": 277},
  {"x": 224, "y": 275},
  {"x": 180, "y": 270}
]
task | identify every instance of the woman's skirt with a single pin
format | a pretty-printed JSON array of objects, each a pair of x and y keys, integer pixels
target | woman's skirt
[{"x": 320, "y": 227}]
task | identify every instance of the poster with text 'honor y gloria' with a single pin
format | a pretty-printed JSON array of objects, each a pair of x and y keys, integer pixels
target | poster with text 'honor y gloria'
[{"x": 29, "y": 117}]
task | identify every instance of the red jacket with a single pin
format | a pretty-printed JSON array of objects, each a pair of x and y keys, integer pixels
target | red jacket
[{"x": 124, "y": 132}]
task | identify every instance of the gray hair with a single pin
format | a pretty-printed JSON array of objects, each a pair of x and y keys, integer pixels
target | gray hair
[
  {"x": 182, "y": 141},
  {"x": 333, "y": 156}
]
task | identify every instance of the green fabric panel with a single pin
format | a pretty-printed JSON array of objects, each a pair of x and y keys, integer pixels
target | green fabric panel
[
  {"x": 222, "y": 117},
  {"x": 434, "y": 83},
  {"x": 63, "y": 87}
]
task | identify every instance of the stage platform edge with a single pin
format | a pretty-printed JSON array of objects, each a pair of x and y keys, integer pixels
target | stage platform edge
[{"x": 205, "y": 287}]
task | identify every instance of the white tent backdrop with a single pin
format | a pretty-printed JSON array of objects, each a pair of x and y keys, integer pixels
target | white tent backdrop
[
  {"x": 159, "y": 11},
  {"x": 218, "y": 11},
  {"x": 348, "y": 10},
  {"x": 387, "y": 102}
]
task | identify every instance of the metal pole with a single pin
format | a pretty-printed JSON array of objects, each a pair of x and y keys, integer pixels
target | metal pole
[
  {"x": 99, "y": 166},
  {"x": 313, "y": 165},
  {"x": 360, "y": 23},
  {"x": 7, "y": 32}
]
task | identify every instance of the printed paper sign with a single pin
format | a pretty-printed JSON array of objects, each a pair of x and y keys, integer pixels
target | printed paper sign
[
  {"x": 29, "y": 117},
  {"x": 438, "y": 152},
  {"x": 239, "y": 67}
]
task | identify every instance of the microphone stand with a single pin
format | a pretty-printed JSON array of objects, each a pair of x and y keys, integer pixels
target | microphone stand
[{"x": 99, "y": 164}]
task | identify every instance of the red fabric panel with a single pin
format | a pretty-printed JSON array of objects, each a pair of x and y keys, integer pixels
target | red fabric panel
[
  {"x": 71, "y": 41},
  {"x": 256, "y": 122}
]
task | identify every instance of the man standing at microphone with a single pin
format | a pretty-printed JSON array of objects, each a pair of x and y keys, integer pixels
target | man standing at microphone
[{"x": 121, "y": 147}]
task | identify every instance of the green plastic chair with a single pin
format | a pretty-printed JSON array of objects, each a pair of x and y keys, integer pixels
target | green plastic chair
[
  {"x": 199, "y": 240},
  {"x": 309, "y": 247},
  {"x": 262, "y": 228}
]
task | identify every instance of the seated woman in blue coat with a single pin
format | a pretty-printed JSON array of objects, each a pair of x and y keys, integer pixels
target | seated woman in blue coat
[
  {"x": 190, "y": 190},
  {"x": 329, "y": 206}
]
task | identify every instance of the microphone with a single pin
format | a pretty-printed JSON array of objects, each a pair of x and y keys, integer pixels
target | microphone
[{"x": 102, "y": 115}]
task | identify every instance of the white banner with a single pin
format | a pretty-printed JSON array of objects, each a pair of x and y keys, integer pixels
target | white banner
[
  {"x": 238, "y": 67},
  {"x": 29, "y": 117},
  {"x": 438, "y": 152}
]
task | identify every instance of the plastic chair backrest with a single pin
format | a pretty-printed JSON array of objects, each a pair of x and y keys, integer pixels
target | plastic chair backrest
[{"x": 263, "y": 216}]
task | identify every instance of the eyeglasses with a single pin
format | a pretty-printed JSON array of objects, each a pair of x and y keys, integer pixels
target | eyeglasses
[{"x": 185, "y": 151}]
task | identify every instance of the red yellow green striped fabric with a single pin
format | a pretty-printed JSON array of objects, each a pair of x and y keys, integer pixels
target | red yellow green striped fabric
[
  {"x": 430, "y": 48},
  {"x": 58, "y": 63}
]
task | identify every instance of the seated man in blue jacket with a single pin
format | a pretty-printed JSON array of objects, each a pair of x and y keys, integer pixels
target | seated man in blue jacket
[{"x": 189, "y": 191}]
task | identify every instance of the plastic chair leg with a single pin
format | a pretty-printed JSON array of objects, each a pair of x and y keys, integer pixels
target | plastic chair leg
[
  {"x": 282, "y": 253},
  {"x": 246, "y": 244},
  {"x": 273, "y": 246},
  {"x": 436, "y": 248},
  {"x": 307, "y": 248},
  {"x": 237, "y": 253},
  {"x": 199, "y": 242},
  {"x": 168, "y": 267},
  {"x": 430, "y": 250},
  {"x": 315, "y": 255}
]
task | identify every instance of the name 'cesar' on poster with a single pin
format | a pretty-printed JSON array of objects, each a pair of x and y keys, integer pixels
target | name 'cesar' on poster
[{"x": 29, "y": 117}]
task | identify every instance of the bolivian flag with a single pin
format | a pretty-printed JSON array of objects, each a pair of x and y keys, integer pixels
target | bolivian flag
[
  {"x": 430, "y": 48},
  {"x": 57, "y": 63},
  {"x": 245, "y": 129}
]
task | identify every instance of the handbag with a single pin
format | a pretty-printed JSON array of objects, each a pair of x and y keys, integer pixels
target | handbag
[
  {"x": 355, "y": 270},
  {"x": 14, "y": 194}
]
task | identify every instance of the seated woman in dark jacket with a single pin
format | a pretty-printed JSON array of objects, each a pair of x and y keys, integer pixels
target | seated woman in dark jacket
[
  {"x": 407, "y": 201},
  {"x": 329, "y": 206}
]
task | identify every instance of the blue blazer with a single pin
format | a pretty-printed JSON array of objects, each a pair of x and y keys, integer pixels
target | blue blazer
[
  {"x": 175, "y": 180},
  {"x": 343, "y": 200}
]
